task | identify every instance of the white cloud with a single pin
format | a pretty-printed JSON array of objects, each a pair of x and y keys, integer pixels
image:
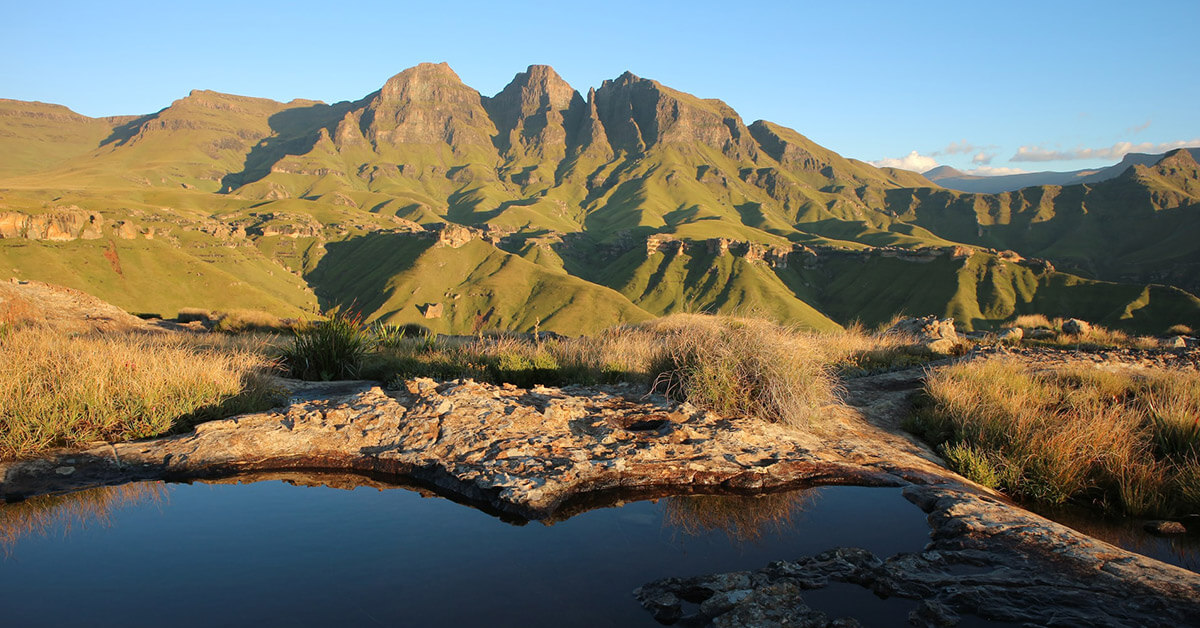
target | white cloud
[
  {"x": 1116, "y": 151},
  {"x": 1138, "y": 128},
  {"x": 981, "y": 158},
  {"x": 989, "y": 171},
  {"x": 913, "y": 161},
  {"x": 955, "y": 148}
]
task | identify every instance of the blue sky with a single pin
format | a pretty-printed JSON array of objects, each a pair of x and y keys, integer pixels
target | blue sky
[{"x": 1016, "y": 85}]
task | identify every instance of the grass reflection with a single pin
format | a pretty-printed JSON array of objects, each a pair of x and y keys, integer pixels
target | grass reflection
[
  {"x": 48, "y": 514},
  {"x": 743, "y": 518}
]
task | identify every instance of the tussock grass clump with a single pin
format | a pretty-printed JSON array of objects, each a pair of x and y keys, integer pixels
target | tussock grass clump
[
  {"x": 1096, "y": 336},
  {"x": 59, "y": 390},
  {"x": 744, "y": 366},
  {"x": 1179, "y": 330},
  {"x": 734, "y": 366},
  {"x": 1128, "y": 442},
  {"x": 1035, "y": 321},
  {"x": 243, "y": 321},
  {"x": 330, "y": 349}
]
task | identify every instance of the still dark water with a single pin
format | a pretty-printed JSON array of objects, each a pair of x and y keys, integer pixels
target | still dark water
[{"x": 270, "y": 553}]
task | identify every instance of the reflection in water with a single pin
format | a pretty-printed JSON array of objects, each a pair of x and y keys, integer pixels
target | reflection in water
[
  {"x": 1182, "y": 550},
  {"x": 743, "y": 518},
  {"x": 48, "y": 514}
]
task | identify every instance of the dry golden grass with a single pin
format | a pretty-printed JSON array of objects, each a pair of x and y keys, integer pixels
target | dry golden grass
[
  {"x": 241, "y": 321},
  {"x": 732, "y": 365},
  {"x": 1034, "y": 321},
  {"x": 68, "y": 390},
  {"x": 16, "y": 310},
  {"x": 1098, "y": 337},
  {"x": 1180, "y": 330},
  {"x": 1127, "y": 441},
  {"x": 744, "y": 367}
]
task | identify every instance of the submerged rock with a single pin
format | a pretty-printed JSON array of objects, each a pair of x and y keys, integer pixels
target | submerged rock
[{"x": 987, "y": 559}]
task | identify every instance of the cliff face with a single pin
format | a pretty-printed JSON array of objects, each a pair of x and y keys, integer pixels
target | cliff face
[
  {"x": 59, "y": 225},
  {"x": 640, "y": 114}
]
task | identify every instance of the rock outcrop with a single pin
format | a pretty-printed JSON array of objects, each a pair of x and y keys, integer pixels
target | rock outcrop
[
  {"x": 1076, "y": 327},
  {"x": 61, "y": 224},
  {"x": 932, "y": 334}
]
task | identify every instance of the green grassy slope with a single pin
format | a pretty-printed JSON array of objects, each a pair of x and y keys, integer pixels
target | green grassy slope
[
  {"x": 396, "y": 278},
  {"x": 245, "y": 196},
  {"x": 35, "y": 136},
  {"x": 155, "y": 277}
]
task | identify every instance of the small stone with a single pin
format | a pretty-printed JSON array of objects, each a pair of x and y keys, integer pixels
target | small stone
[
  {"x": 1164, "y": 527},
  {"x": 1178, "y": 342},
  {"x": 65, "y": 470},
  {"x": 721, "y": 602},
  {"x": 1076, "y": 327},
  {"x": 1013, "y": 334},
  {"x": 665, "y": 607}
]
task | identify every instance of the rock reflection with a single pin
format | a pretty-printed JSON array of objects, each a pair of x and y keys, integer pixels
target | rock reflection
[
  {"x": 48, "y": 514},
  {"x": 743, "y": 518}
]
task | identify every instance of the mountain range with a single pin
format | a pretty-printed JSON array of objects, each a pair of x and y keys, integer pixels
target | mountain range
[
  {"x": 955, "y": 179},
  {"x": 428, "y": 202}
]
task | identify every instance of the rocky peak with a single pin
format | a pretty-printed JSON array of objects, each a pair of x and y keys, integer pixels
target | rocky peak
[
  {"x": 422, "y": 82},
  {"x": 536, "y": 89},
  {"x": 1178, "y": 159},
  {"x": 943, "y": 172},
  {"x": 640, "y": 113},
  {"x": 427, "y": 104},
  {"x": 531, "y": 113}
]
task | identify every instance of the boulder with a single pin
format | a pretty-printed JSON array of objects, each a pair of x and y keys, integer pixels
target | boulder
[
  {"x": 930, "y": 333},
  {"x": 1175, "y": 342},
  {"x": 1012, "y": 334},
  {"x": 1076, "y": 327},
  {"x": 1164, "y": 527}
]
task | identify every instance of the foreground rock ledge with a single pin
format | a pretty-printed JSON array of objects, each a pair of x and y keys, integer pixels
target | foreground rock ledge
[
  {"x": 527, "y": 452},
  {"x": 522, "y": 452}
]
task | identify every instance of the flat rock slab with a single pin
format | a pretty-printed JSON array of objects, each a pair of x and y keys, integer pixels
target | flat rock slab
[{"x": 520, "y": 451}]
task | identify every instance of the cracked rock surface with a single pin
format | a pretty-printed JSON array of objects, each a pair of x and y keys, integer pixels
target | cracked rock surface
[{"x": 520, "y": 451}]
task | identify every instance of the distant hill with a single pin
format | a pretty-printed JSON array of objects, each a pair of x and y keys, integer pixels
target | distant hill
[
  {"x": 954, "y": 179},
  {"x": 428, "y": 202}
]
